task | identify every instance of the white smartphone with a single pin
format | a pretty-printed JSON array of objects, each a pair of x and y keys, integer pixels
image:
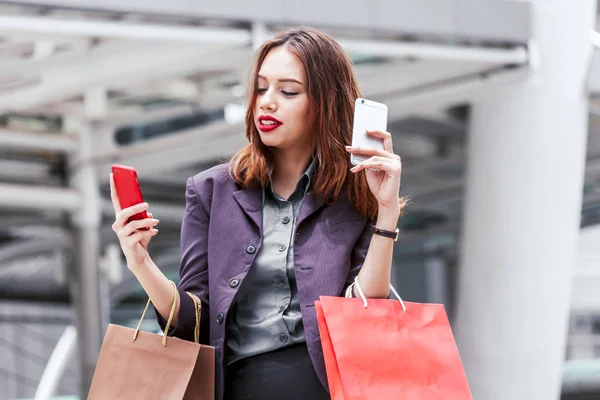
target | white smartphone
[{"x": 368, "y": 115}]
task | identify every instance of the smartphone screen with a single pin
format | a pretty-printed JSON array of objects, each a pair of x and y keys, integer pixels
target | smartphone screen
[
  {"x": 128, "y": 189},
  {"x": 368, "y": 115}
]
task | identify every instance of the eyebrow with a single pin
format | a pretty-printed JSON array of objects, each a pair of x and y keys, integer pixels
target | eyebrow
[{"x": 282, "y": 80}]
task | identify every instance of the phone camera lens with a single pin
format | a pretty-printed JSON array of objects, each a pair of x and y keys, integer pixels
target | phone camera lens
[{"x": 362, "y": 102}]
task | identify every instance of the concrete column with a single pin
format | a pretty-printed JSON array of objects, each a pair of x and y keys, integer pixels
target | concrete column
[
  {"x": 526, "y": 157},
  {"x": 436, "y": 280},
  {"x": 85, "y": 282}
]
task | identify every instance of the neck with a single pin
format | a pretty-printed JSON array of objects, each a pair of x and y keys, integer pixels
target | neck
[{"x": 289, "y": 166}]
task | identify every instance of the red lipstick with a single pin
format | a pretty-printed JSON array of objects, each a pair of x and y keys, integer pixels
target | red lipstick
[{"x": 267, "y": 123}]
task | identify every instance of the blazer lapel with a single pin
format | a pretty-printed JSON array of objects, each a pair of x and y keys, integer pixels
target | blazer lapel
[{"x": 250, "y": 200}]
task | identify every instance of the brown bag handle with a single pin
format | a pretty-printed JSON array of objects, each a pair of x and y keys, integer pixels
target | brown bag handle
[
  {"x": 198, "y": 308},
  {"x": 168, "y": 326}
]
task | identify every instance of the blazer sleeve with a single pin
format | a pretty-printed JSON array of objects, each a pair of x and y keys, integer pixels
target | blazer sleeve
[
  {"x": 193, "y": 273},
  {"x": 359, "y": 253}
]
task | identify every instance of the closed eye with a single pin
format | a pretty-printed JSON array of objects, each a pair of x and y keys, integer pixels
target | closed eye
[{"x": 286, "y": 93}]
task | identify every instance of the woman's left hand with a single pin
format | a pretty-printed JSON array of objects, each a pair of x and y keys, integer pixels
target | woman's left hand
[{"x": 383, "y": 170}]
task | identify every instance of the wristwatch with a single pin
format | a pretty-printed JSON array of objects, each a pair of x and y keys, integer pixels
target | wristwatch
[{"x": 383, "y": 232}]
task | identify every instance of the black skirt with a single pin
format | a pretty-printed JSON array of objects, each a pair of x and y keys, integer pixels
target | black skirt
[{"x": 285, "y": 374}]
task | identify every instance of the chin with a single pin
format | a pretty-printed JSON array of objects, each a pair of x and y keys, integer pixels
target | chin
[
  {"x": 274, "y": 144},
  {"x": 270, "y": 140}
]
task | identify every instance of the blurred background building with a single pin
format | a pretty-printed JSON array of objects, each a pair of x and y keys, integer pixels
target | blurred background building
[{"x": 493, "y": 107}]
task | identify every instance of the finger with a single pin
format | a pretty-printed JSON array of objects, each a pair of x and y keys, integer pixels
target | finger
[
  {"x": 140, "y": 235},
  {"x": 133, "y": 226},
  {"x": 388, "y": 144},
  {"x": 113, "y": 194},
  {"x": 377, "y": 163},
  {"x": 150, "y": 215},
  {"x": 370, "y": 152},
  {"x": 125, "y": 214}
]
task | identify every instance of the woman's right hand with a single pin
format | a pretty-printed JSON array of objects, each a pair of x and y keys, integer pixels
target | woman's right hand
[{"x": 134, "y": 239}]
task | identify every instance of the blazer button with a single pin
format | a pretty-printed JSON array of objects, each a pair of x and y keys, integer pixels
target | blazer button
[
  {"x": 250, "y": 249},
  {"x": 234, "y": 282},
  {"x": 220, "y": 317}
]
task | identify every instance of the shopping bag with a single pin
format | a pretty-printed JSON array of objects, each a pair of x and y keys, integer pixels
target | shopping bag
[
  {"x": 139, "y": 365},
  {"x": 389, "y": 350}
]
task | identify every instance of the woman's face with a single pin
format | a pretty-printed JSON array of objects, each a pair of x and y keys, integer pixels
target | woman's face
[{"x": 281, "y": 112}]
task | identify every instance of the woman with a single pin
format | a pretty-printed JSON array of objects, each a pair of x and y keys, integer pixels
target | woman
[{"x": 286, "y": 221}]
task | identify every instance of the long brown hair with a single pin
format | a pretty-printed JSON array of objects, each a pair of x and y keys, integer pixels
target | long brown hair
[{"x": 332, "y": 89}]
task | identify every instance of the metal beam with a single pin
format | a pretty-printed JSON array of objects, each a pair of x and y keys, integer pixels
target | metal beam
[
  {"x": 38, "y": 197},
  {"x": 26, "y": 171},
  {"x": 30, "y": 67},
  {"x": 117, "y": 114},
  {"x": 123, "y": 30},
  {"x": 401, "y": 79},
  {"x": 19, "y": 140},
  {"x": 30, "y": 248},
  {"x": 430, "y": 51}
]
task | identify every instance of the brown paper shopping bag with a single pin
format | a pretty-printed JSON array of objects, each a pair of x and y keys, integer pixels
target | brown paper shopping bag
[{"x": 139, "y": 365}]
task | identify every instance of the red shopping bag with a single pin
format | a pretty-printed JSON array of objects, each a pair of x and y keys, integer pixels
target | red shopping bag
[{"x": 389, "y": 350}]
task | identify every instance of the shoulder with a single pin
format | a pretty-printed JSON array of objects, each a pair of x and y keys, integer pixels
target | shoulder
[
  {"x": 212, "y": 180},
  {"x": 218, "y": 173}
]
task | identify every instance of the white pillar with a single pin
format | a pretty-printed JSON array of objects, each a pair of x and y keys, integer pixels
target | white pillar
[
  {"x": 526, "y": 157},
  {"x": 85, "y": 281}
]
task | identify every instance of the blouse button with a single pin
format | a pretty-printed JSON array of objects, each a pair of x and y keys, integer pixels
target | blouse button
[
  {"x": 220, "y": 317},
  {"x": 250, "y": 249},
  {"x": 286, "y": 220}
]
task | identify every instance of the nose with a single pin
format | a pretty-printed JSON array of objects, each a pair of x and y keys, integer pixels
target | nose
[{"x": 267, "y": 101}]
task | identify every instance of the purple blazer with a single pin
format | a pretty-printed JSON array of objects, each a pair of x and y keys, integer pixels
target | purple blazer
[{"x": 221, "y": 233}]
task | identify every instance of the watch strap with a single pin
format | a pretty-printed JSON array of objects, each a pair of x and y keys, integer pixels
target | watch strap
[{"x": 383, "y": 232}]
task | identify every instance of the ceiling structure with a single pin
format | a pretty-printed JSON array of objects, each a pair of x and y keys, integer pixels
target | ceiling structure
[{"x": 165, "y": 93}]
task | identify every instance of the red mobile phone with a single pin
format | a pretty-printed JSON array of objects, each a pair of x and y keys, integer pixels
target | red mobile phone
[{"x": 128, "y": 189}]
